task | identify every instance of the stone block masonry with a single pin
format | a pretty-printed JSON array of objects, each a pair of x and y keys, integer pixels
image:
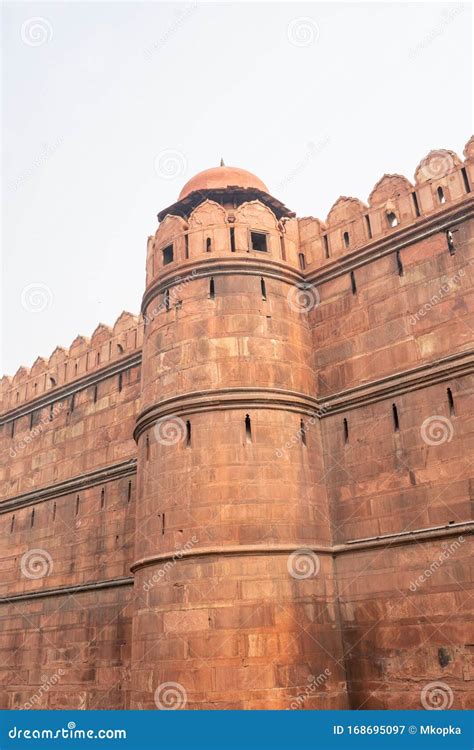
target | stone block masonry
[{"x": 258, "y": 493}]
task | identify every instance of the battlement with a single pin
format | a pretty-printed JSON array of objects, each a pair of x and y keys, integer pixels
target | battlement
[
  {"x": 84, "y": 356},
  {"x": 442, "y": 179}
]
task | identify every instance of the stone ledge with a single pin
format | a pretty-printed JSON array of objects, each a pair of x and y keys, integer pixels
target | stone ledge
[{"x": 90, "y": 479}]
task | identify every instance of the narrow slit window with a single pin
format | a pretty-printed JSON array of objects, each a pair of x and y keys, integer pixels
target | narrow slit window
[
  {"x": 52, "y": 381},
  {"x": 441, "y": 195},
  {"x": 353, "y": 283},
  {"x": 392, "y": 219},
  {"x": 120, "y": 349},
  {"x": 345, "y": 426},
  {"x": 346, "y": 239},
  {"x": 303, "y": 432},
  {"x": 248, "y": 429},
  {"x": 166, "y": 299},
  {"x": 147, "y": 448},
  {"x": 186, "y": 246},
  {"x": 97, "y": 359},
  {"x": 208, "y": 244},
  {"x": 258, "y": 241},
  {"x": 399, "y": 264},
  {"x": 302, "y": 261},
  {"x": 12, "y": 525},
  {"x": 367, "y": 226},
  {"x": 17, "y": 397},
  {"x": 326, "y": 246},
  {"x": 96, "y": 393},
  {"x": 188, "y": 433},
  {"x": 232, "y": 239},
  {"x": 450, "y": 241},
  {"x": 129, "y": 492},
  {"x": 73, "y": 403},
  {"x": 12, "y": 429},
  {"x": 415, "y": 204},
  {"x": 31, "y": 419},
  {"x": 162, "y": 523},
  {"x": 77, "y": 505},
  {"x": 102, "y": 498},
  {"x": 263, "y": 289},
  {"x": 465, "y": 179},
  {"x": 32, "y": 522},
  {"x": 396, "y": 422},
  {"x": 75, "y": 369},
  {"x": 282, "y": 247},
  {"x": 54, "y": 511},
  {"x": 167, "y": 255},
  {"x": 120, "y": 382},
  {"x": 51, "y": 412},
  {"x": 452, "y": 410},
  {"x": 212, "y": 288}
]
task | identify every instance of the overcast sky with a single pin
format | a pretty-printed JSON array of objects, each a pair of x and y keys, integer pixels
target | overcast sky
[{"x": 108, "y": 108}]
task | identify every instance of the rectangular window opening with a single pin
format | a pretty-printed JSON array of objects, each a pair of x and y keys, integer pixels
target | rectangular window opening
[
  {"x": 167, "y": 255},
  {"x": 346, "y": 430},
  {"x": 232, "y": 239},
  {"x": 258, "y": 241}
]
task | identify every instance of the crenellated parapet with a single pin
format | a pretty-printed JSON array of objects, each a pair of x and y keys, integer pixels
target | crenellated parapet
[
  {"x": 85, "y": 356},
  {"x": 441, "y": 180}
]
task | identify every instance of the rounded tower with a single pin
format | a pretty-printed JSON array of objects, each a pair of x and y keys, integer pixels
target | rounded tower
[{"x": 234, "y": 592}]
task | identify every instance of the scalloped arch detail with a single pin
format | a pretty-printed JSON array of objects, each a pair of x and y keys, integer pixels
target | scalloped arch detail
[
  {"x": 388, "y": 187},
  {"x": 436, "y": 164}
]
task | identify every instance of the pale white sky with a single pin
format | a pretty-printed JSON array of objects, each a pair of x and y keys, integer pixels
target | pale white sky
[{"x": 318, "y": 100}]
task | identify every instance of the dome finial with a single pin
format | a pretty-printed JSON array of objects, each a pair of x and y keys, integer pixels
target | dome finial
[{"x": 222, "y": 162}]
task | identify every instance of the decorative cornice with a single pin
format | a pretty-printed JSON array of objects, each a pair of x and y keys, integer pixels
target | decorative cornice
[
  {"x": 240, "y": 550},
  {"x": 81, "y": 482},
  {"x": 202, "y": 268},
  {"x": 427, "y": 374},
  {"x": 68, "y": 590},
  {"x": 223, "y": 399},
  {"x": 456, "y": 365},
  {"x": 389, "y": 540},
  {"x": 397, "y": 240},
  {"x": 63, "y": 391}
]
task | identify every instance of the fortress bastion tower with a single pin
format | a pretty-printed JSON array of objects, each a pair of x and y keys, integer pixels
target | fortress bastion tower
[{"x": 225, "y": 514}]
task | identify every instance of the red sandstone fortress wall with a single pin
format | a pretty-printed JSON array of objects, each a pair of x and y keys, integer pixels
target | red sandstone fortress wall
[{"x": 364, "y": 320}]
